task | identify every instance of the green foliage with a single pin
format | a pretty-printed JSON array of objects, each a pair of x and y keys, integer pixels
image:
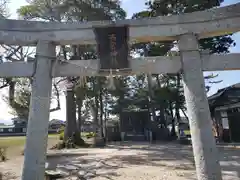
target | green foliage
[
  {"x": 29, "y": 11},
  {"x": 79, "y": 10},
  {"x": 61, "y": 130},
  {"x": 170, "y": 7},
  {"x": 166, "y": 93},
  {"x": 69, "y": 143},
  {"x": 90, "y": 135},
  {"x": 61, "y": 136}
]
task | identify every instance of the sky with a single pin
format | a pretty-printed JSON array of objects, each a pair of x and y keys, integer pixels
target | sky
[{"x": 228, "y": 77}]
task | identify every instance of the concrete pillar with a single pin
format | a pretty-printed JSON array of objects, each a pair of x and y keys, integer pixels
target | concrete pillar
[
  {"x": 203, "y": 142},
  {"x": 37, "y": 131}
]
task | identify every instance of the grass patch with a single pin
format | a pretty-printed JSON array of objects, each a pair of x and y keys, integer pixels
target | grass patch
[
  {"x": 18, "y": 140},
  {"x": 12, "y": 141},
  {"x": 15, "y": 145}
]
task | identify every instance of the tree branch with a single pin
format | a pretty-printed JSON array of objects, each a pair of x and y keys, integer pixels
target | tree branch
[
  {"x": 15, "y": 50},
  {"x": 8, "y": 80},
  {"x": 61, "y": 80},
  {"x": 58, "y": 107},
  {"x": 4, "y": 85}
]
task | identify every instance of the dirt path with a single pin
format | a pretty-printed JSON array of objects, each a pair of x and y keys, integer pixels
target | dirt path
[{"x": 136, "y": 162}]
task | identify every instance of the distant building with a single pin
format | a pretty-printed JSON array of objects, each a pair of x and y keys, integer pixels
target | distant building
[
  {"x": 56, "y": 124},
  {"x": 225, "y": 111},
  {"x": 12, "y": 130},
  {"x": 134, "y": 124},
  {"x": 19, "y": 127},
  {"x": 19, "y": 122}
]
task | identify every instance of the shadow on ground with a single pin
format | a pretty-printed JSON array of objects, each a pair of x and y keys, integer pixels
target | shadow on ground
[
  {"x": 84, "y": 167},
  {"x": 180, "y": 157},
  {"x": 166, "y": 157},
  {"x": 7, "y": 176}
]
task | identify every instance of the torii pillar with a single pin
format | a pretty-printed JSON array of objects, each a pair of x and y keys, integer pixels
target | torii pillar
[
  {"x": 37, "y": 131},
  {"x": 203, "y": 142}
]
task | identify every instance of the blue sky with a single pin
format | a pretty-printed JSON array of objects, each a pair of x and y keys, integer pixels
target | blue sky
[{"x": 132, "y": 6}]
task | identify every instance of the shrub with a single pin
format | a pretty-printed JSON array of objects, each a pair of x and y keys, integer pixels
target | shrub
[
  {"x": 61, "y": 130},
  {"x": 86, "y": 135},
  {"x": 61, "y": 136},
  {"x": 73, "y": 142},
  {"x": 90, "y": 135}
]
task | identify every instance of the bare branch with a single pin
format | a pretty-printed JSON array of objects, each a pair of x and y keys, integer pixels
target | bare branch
[
  {"x": 211, "y": 76},
  {"x": 184, "y": 113},
  {"x": 58, "y": 107},
  {"x": 4, "y": 85},
  {"x": 14, "y": 59},
  {"x": 215, "y": 82},
  {"x": 61, "y": 80},
  {"x": 14, "y": 52}
]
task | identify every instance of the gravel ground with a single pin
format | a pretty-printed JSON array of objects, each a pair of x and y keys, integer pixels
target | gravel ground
[{"x": 131, "y": 162}]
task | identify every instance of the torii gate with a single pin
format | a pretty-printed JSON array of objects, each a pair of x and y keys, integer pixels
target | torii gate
[{"x": 186, "y": 28}]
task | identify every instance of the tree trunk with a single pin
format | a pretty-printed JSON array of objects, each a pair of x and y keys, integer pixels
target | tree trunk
[
  {"x": 101, "y": 108},
  {"x": 120, "y": 105},
  {"x": 98, "y": 141},
  {"x": 79, "y": 112},
  {"x": 173, "y": 130},
  {"x": 177, "y": 109},
  {"x": 162, "y": 109},
  {"x": 71, "y": 125},
  {"x": 95, "y": 123},
  {"x": 71, "y": 129},
  {"x": 105, "y": 116},
  {"x": 11, "y": 92},
  {"x": 149, "y": 80},
  {"x": 105, "y": 123},
  {"x": 171, "y": 109}
]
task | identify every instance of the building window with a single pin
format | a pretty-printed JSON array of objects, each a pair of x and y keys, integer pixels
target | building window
[
  {"x": 1, "y": 130},
  {"x": 10, "y": 130},
  {"x": 24, "y": 130}
]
